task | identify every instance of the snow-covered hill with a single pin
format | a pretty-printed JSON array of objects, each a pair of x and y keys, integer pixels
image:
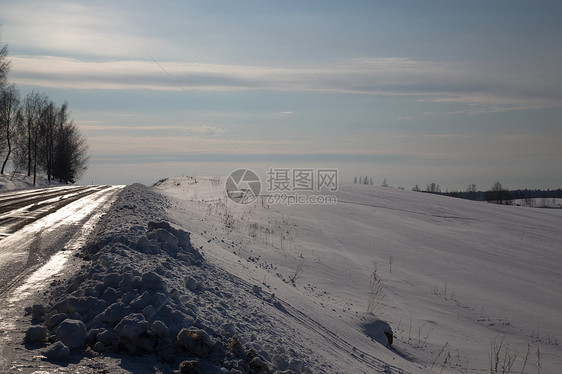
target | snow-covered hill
[
  {"x": 458, "y": 276},
  {"x": 179, "y": 273}
]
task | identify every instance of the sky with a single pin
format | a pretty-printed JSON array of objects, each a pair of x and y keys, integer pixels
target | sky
[{"x": 413, "y": 92}]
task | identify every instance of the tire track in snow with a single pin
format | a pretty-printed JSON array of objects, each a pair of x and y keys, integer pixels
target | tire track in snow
[
  {"x": 23, "y": 251},
  {"x": 285, "y": 308},
  {"x": 25, "y": 211},
  {"x": 13, "y": 201}
]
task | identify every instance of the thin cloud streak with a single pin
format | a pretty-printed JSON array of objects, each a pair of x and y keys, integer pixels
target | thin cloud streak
[
  {"x": 424, "y": 80},
  {"x": 203, "y": 130}
]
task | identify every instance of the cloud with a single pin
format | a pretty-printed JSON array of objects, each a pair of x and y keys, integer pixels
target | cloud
[
  {"x": 165, "y": 143},
  {"x": 442, "y": 136},
  {"x": 204, "y": 130},
  {"x": 63, "y": 72},
  {"x": 104, "y": 46},
  {"x": 75, "y": 28},
  {"x": 197, "y": 130},
  {"x": 484, "y": 90}
]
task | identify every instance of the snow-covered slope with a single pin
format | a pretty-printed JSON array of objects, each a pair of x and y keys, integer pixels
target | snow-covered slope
[{"x": 458, "y": 277}]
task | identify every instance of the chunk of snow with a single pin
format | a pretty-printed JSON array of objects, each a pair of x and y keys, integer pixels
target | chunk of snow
[
  {"x": 195, "y": 341},
  {"x": 57, "y": 351},
  {"x": 72, "y": 333},
  {"x": 36, "y": 334}
]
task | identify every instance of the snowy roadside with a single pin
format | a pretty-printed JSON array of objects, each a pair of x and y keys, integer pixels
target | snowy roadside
[
  {"x": 146, "y": 300},
  {"x": 9, "y": 183}
]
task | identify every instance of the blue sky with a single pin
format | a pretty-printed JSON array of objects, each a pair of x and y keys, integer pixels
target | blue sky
[{"x": 411, "y": 91}]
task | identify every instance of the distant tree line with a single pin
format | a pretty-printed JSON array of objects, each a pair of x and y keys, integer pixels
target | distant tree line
[
  {"x": 36, "y": 135},
  {"x": 431, "y": 188},
  {"x": 369, "y": 181},
  {"x": 497, "y": 194},
  {"x": 363, "y": 180}
]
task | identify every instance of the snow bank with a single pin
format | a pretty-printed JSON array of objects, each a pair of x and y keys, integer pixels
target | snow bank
[{"x": 145, "y": 289}]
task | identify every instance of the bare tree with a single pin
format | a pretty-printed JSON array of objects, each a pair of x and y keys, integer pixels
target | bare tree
[
  {"x": 38, "y": 133},
  {"x": 4, "y": 65},
  {"x": 32, "y": 106},
  {"x": 9, "y": 107},
  {"x": 498, "y": 194},
  {"x": 19, "y": 154},
  {"x": 71, "y": 155},
  {"x": 433, "y": 188},
  {"x": 471, "y": 191},
  {"x": 47, "y": 133}
]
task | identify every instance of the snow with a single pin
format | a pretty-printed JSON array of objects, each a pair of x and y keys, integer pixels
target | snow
[
  {"x": 83, "y": 212},
  {"x": 71, "y": 332},
  {"x": 180, "y": 275},
  {"x": 539, "y": 203},
  {"x": 16, "y": 182},
  {"x": 463, "y": 274}
]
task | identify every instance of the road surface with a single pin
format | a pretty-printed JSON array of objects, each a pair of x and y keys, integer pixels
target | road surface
[{"x": 36, "y": 224}]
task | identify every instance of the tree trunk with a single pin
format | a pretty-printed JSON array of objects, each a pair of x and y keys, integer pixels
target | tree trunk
[
  {"x": 9, "y": 151},
  {"x": 28, "y": 149},
  {"x": 35, "y": 162}
]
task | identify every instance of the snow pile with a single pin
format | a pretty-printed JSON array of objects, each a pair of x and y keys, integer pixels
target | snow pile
[{"x": 146, "y": 290}]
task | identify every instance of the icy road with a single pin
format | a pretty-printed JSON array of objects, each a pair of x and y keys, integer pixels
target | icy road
[{"x": 36, "y": 224}]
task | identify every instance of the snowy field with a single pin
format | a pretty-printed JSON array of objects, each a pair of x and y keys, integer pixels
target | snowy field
[
  {"x": 458, "y": 277},
  {"x": 178, "y": 273},
  {"x": 539, "y": 203}
]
